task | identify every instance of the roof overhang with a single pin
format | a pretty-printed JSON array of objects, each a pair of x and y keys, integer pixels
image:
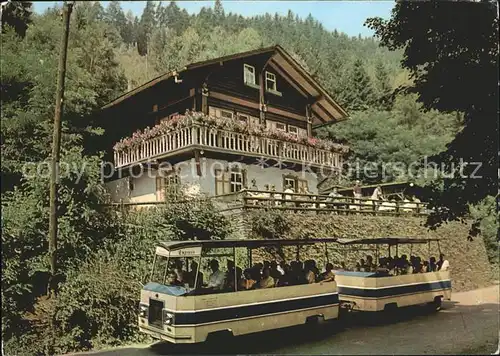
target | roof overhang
[{"x": 325, "y": 109}]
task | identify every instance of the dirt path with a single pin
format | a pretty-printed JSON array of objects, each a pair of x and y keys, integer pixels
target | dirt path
[{"x": 468, "y": 324}]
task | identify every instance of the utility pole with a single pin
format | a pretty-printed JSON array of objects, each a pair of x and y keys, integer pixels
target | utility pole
[{"x": 56, "y": 145}]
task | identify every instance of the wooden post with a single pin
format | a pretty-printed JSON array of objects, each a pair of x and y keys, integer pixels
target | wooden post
[
  {"x": 262, "y": 101},
  {"x": 309, "y": 120},
  {"x": 204, "y": 99},
  {"x": 56, "y": 143}
]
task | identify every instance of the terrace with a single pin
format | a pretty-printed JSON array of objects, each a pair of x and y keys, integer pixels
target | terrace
[{"x": 199, "y": 131}]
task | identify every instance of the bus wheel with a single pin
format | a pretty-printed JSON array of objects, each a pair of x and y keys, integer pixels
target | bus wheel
[
  {"x": 217, "y": 338},
  {"x": 435, "y": 305},
  {"x": 390, "y": 312}
]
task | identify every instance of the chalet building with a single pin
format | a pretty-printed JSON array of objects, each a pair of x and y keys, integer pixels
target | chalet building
[{"x": 219, "y": 126}]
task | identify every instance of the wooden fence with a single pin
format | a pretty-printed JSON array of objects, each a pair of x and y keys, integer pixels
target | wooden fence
[{"x": 315, "y": 203}]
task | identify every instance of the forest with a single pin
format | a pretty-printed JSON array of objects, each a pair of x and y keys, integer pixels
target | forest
[{"x": 394, "y": 117}]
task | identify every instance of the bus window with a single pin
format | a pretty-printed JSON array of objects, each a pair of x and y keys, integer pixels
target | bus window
[{"x": 180, "y": 271}]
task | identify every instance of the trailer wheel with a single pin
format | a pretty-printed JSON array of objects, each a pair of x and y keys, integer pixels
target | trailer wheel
[{"x": 435, "y": 305}]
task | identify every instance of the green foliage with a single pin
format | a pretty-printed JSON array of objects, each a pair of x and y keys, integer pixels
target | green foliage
[
  {"x": 270, "y": 224},
  {"x": 382, "y": 142},
  {"x": 16, "y": 15},
  {"x": 454, "y": 69},
  {"x": 487, "y": 216},
  {"x": 97, "y": 306}
]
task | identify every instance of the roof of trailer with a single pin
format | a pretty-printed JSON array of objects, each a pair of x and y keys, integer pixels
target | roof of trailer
[
  {"x": 255, "y": 243},
  {"x": 393, "y": 240}
]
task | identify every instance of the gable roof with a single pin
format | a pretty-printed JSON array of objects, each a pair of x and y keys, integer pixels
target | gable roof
[{"x": 324, "y": 106}]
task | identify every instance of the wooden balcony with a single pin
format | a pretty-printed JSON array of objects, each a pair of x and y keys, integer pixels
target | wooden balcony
[{"x": 197, "y": 136}]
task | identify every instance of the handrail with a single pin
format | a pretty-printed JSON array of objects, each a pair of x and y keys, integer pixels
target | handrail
[
  {"x": 306, "y": 202},
  {"x": 221, "y": 139}
]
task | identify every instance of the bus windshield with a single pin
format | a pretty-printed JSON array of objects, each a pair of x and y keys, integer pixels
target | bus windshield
[{"x": 176, "y": 271}]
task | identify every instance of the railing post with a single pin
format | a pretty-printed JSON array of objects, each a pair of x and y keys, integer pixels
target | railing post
[{"x": 194, "y": 135}]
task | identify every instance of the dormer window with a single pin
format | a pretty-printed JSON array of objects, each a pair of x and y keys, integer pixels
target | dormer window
[
  {"x": 249, "y": 74},
  {"x": 271, "y": 81}
]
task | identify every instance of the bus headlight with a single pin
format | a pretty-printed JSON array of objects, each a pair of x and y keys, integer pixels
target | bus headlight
[
  {"x": 168, "y": 318},
  {"x": 143, "y": 310}
]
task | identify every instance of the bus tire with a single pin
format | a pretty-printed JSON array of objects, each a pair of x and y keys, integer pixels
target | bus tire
[
  {"x": 220, "y": 337},
  {"x": 315, "y": 320},
  {"x": 435, "y": 305},
  {"x": 390, "y": 312}
]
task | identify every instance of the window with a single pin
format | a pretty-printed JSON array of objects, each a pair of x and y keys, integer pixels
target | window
[
  {"x": 271, "y": 81},
  {"x": 236, "y": 181},
  {"x": 291, "y": 181},
  {"x": 280, "y": 126},
  {"x": 226, "y": 114},
  {"x": 229, "y": 182},
  {"x": 167, "y": 185},
  {"x": 248, "y": 74},
  {"x": 302, "y": 185},
  {"x": 293, "y": 130}
]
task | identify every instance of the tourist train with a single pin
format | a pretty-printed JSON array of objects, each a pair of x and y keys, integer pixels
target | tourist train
[{"x": 180, "y": 305}]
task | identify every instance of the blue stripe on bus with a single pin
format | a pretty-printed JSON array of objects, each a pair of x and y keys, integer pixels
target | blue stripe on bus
[
  {"x": 394, "y": 291},
  {"x": 237, "y": 312}
]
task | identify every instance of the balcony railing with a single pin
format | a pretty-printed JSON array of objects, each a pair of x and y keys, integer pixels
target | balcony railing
[
  {"x": 203, "y": 137},
  {"x": 312, "y": 203}
]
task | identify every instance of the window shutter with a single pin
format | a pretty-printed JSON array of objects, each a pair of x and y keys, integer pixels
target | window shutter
[
  {"x": 244, "y": 177},
  {"x": 227, "y": 182}
]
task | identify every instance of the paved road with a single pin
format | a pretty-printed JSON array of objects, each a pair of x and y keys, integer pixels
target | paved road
[{"x": 469, "y": 324}]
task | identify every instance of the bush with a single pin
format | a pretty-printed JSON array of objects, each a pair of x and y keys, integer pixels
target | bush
[{"x": 97, "y": 306}]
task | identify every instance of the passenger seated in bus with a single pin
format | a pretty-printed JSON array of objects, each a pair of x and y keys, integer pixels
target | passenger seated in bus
[
  {"x": 281, "y": 267},
  {"x": 309, "y": 275},
  {"x": 443, "y": 263},
  {"x": 286, "y": 278},
  {"x": 274, "y": 272},
  {"x": 370, "y": 265},
  {"x": 217, "y": 278},
  {"x": 425, "y": 267},
  {"x": 404, "y": 265},
  {"x": 248, "y": 281},
  {"x": 267, "y": 281},
  {"x": 191, "y": 276},
  {"x": 172, "y": 279},
  {"x": 432, "y": 264},
  {"x": 362, "y": 265},
  {"x": 328, "y": 275}
]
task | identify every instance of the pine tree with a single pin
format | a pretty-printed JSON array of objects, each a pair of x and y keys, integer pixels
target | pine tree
[
  {"x": 219, "y": 11},
  {"x": 358, "y": 89},
  {"x": 383, "y": 87},
  {"x": 146, "y": 26}
]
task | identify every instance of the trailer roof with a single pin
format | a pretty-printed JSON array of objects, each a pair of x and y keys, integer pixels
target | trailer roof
[
  {"x": 392, "y": 240},
  {"x": 256, "y": 243}
]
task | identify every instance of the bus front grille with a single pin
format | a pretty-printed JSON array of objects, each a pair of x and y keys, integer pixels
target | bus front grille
[{"x": 155, "y": 313}]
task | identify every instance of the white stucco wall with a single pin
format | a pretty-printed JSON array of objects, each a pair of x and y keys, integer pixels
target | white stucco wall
[{"x": 145, "y": 186}]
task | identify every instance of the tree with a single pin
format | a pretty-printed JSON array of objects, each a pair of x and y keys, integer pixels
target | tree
[
  {"x": 382, "y": 87},
  {"x": 358, "y": 90},
  {"x": 17, "y": 14},
  {"x": 453, "y": 65},
  {"x": 116, "y": 17},
  {"x": 219, "y": 11},
  {"x": 146, "y": 26}
]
